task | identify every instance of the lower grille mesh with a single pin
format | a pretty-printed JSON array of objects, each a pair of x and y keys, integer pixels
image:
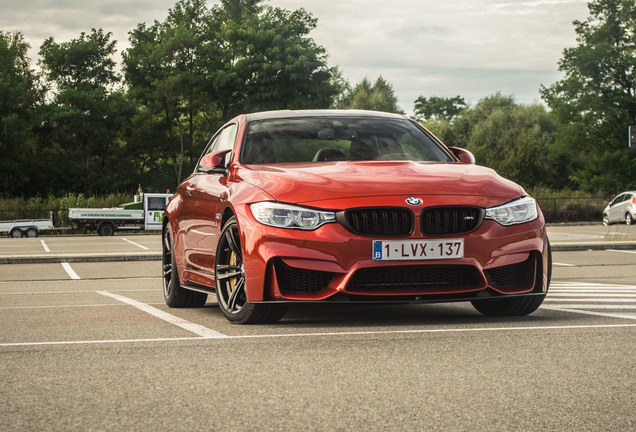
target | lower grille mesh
[
  {"x": 413, "y": 278},
  {"x": 510, "y": 275},
  {"x": 295, "y": 280}
]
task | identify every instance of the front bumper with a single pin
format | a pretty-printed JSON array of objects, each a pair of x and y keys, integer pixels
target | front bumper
[{"x": 334, "y": 264}]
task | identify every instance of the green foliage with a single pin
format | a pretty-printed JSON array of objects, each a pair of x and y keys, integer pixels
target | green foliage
[
  {"x": 19, "y": 96},
  {"x": 81, "y": 146},
  {"x": 513, "y": 139},
  {"x": 595, "y": 102},
  {"x": 438, "y": 108},
  {"x": 201, "y": 67},
  {"x": 567, "y": 205},
  {"x": 78, "y": 127},
  {"x": 378, "y": 96}
]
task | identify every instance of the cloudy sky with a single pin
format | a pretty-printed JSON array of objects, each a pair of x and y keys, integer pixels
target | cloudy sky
[{"x": 471, "y": 48}]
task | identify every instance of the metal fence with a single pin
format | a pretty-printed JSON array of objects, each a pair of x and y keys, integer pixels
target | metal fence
[{"x": 573, "y": 209}]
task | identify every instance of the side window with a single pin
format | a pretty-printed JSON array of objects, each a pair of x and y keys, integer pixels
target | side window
[
  {"x": 156, "y": 203},
  {"x": 224, "y": 140},
  {"x": 618, "y": 199}
]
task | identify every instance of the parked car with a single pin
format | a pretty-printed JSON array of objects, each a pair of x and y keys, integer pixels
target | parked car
[
  {"x": 621, "y": 209},
  {"x": 348, "y": 206}
]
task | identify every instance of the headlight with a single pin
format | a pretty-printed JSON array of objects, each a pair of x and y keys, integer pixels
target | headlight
[
  {"x": 289, "y": 216},
  {"x": 515, "y": 212}
]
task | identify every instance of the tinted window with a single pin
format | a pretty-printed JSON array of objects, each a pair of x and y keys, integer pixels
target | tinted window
[{"x": 338, "y": 138}]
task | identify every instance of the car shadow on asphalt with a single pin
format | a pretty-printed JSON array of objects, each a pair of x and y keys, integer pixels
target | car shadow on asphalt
[{"x": 349, "y": 315}]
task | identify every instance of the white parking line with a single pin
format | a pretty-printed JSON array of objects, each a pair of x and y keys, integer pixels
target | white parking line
[
  {"x": 69, "y": 292},
  {"x": 346, "y": 333},
  {"x": 46, "y": 248},
  {"x": 133, "y": 243},
  {"x": 70, "y": 271},
  {"x": 563, "y": 264},
  {"x": 590, "y": 299},
  {"x": 70, "y": 306},
  {"x": 621, "y": 251},
  {"x": 588, "y": 312},
  {"x": 179, "y": 322}
]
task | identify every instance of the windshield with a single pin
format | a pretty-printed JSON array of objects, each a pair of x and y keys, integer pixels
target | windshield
[{"x": 338, "y": 139}]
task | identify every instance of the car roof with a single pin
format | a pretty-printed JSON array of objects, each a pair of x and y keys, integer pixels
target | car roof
[{"x": 282, "y": 114}]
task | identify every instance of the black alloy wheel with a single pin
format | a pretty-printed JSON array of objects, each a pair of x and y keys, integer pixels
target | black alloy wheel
[
  {"x": 231, "y": 290},
  {"x": 229, "y": 271}
]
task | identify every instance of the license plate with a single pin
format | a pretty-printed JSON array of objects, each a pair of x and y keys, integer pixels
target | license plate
[{"x": 389, "y": 250}]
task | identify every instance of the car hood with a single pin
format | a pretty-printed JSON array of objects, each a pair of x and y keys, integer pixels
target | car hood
[{"x": 320, "y": 182}]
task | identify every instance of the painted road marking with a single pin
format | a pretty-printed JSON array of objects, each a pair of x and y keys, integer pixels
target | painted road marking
[
  {"x": 563, "y": 264},
  {"x": 621, "y": 251},
  {"x": 604, "y": 300},
  {"x": 46, "y": 248},
  {"x": 179, "y": 322},
  {"x": 70, "y": 271},
  {"x": 346, "y": 333},
  {"x": 69, "y": 292},
  {"x": 133, "y": 243}
]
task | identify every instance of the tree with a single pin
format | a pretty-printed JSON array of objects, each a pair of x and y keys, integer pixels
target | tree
[
  {"x": 85, "y": 115},
  {"x": 378, "y": 96},
  {"x": 270, "y": 62},
  {"x": 201, "y": 67},
  {"x": 595, "y": 102},
  {"x": 513, "y": 139},
  {"x": 166, "y": 70},
  {"x": 438, "y": 108},
  {"x": 20, "y": 95}
]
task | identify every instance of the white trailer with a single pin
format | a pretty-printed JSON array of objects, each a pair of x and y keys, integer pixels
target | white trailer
[
  {"x": 26, "y": 227},
  {"x": 148, "y": 216}
]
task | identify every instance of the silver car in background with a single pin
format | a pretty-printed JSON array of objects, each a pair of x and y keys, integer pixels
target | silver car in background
[{"x": 621, "y": 209}]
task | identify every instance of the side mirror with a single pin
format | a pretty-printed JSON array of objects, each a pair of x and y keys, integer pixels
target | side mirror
[
  {"x": 214, "y": 162},
  {"x": 463, "y": 155}
]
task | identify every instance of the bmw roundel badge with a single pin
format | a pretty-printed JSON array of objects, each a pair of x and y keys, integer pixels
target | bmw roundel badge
[{"x": 413, "y": 201}]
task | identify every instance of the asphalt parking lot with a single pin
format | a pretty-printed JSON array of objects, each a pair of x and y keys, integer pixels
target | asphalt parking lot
[{"x": 92, "y": 346}]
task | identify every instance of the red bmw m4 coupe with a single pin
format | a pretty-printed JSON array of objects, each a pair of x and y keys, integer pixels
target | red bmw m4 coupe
[{"x": 348, "y": 206}]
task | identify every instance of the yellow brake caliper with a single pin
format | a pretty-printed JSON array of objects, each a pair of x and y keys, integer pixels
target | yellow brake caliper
[{"x": 233, "y": 264}]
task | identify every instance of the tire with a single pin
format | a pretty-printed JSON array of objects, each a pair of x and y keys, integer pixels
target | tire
[
  {"x": 519, "y": 306},
  {"x": 16, "y": 233},
  {"x": 173, "y": 293},
  {"x": 106, "y": 229},
  {"x": 32, "y": 233},
  {"x": 229, "y": 275},
  {"x": 629, "y": 219},
  {"x": 606, "y": 221}
]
